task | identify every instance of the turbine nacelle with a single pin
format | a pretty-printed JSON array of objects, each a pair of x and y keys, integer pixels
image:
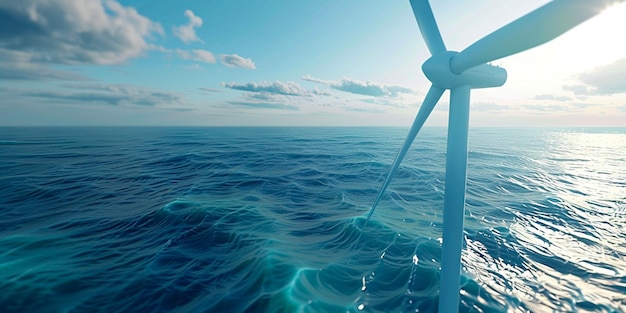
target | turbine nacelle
[{"x": 437, "y": 69}]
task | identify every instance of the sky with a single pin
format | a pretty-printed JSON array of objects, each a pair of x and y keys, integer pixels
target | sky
[{"x": 288, "y": 63}]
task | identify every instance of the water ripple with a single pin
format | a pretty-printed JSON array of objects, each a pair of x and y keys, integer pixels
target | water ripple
[{"x": 272, "y": 220}]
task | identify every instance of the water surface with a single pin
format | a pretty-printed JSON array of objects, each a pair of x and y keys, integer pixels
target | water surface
[{"x": 270, "y": 220}]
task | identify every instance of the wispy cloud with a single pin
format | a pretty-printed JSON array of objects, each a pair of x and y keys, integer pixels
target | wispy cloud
[
  {"x": 491, "y": 107},
  {"x": 582, "y": 105},
  {"x": 256, "y": 105},
  {"x": 109, "y": 94},
  {"x": 197, "y": 55},
  {"x": 552, "y": 97},
  {"x": 443, "y": 106},
  {"x": 318, "y": 92},
  {"x": 554, "y": 107},
  {"x": 366, "y": 88},
  {"x": 362, "y": 88},
  {"x": 274, "y": 95},
  {"x": 25, "y": 71},
  {"x": 364, "y": 110},
  {"x": 317, "y": 80},
  {"x": 187, "y": 32},
  {"x": 264, "y": 96},
  {"x": 577, "y": 89},
  {"x": 209, "y": 89},
  {"x": 559, "y": 106},
  {"x": 234, "y": 60},
  {"x": 383, "y": 102},
  {"x": 604, "y": 80},
  {"x": 277, "y": 87}
]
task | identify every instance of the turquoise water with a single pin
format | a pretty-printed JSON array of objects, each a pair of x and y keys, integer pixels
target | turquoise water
[{"x": 271, "y": 220}]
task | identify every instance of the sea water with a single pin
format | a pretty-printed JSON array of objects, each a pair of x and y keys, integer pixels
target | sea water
[{"x": 272, "y": 220}]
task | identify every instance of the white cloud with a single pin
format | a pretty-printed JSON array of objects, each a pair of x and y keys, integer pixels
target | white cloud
[
  {"x": 366, "y": 88},
  {"x": 604, "y": 80},
  {"x": 73, "y": 32},
  {"x": 233, "y": 60},
  {"x": 187, "y": 32}
]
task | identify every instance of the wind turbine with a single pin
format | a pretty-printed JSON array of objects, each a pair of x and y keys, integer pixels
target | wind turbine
[{"x": 460, "y": 72}]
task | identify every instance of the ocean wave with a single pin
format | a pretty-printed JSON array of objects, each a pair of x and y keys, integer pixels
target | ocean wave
[{"x": 273, "y": 220}]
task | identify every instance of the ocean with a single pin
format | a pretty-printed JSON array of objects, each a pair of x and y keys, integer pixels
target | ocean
[{"x": 272, "y": 219}]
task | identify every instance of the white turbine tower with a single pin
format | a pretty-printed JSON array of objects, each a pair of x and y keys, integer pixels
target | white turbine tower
[{"x": 460, "y": 72}]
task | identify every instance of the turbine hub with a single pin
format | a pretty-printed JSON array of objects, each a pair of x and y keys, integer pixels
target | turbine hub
[{"x": 437, "y": 70}]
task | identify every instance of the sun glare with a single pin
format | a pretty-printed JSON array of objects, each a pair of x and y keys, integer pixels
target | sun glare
[{"x": 594, "y": 43}]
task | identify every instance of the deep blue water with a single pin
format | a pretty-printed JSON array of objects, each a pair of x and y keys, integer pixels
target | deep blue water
[{"x": 269, "y": 220}]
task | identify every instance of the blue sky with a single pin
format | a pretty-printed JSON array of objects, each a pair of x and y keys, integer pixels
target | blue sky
[{"x": 285, "y": 62}]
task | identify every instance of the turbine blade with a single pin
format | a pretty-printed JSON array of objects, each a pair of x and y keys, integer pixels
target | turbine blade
[
  {"x": 529, "y": 31},
  {"x": 433, "y": 95},
  {"x": 428, "y": 26}
]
